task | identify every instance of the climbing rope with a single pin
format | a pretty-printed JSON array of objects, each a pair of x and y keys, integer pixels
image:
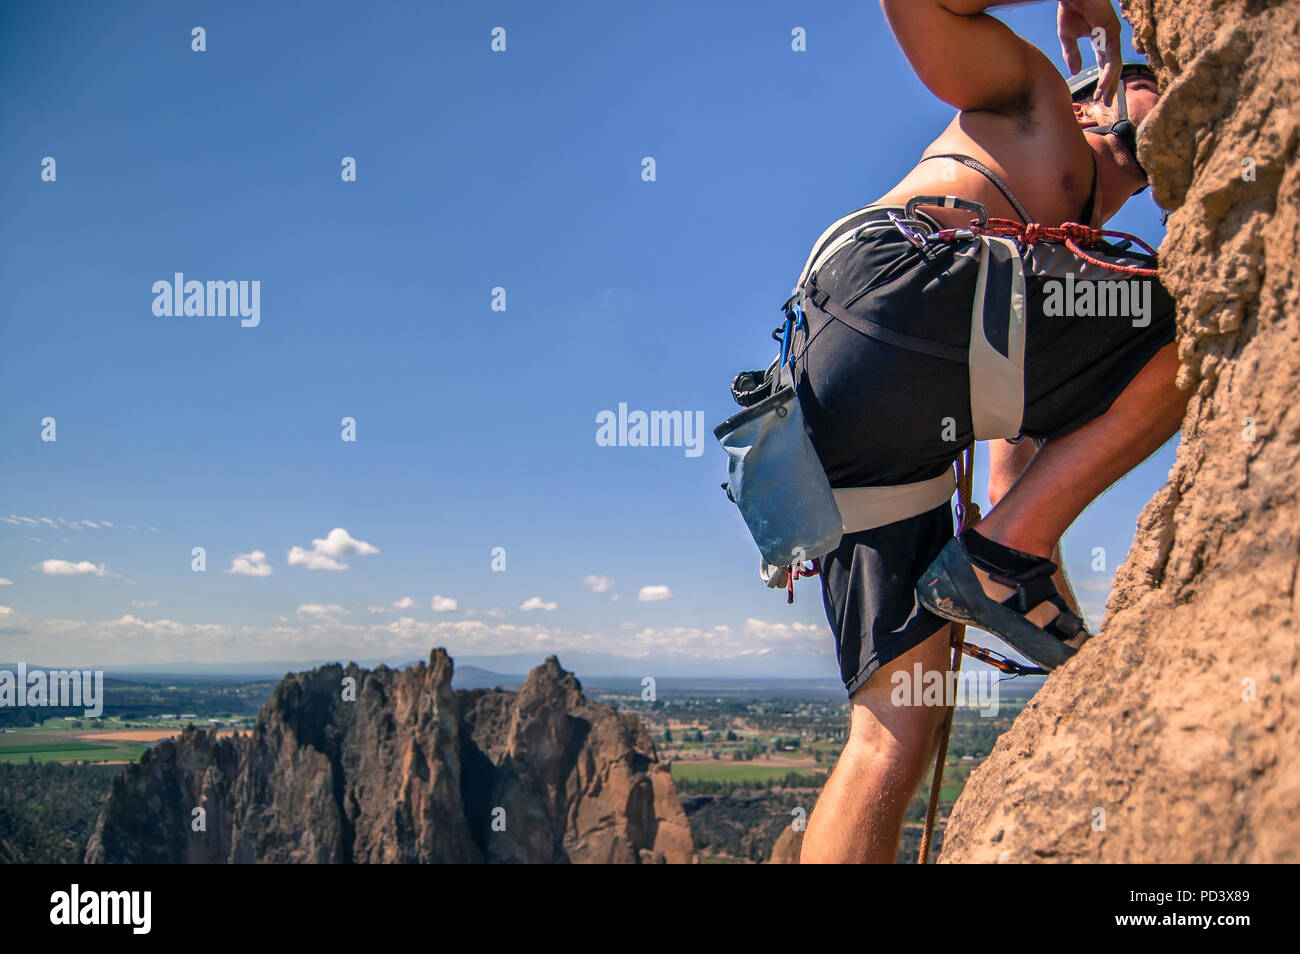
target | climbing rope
[
  {"x": 968, "y": 514},
  {"x": 1070, "y": 234}
]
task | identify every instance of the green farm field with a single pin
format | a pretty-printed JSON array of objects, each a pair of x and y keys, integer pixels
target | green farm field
[
  {"x": 711, "y": 771},
  {"x": 46, "y": 745}
]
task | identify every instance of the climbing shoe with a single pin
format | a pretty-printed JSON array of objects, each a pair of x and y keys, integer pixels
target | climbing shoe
[{"x": 951, "y": 589}]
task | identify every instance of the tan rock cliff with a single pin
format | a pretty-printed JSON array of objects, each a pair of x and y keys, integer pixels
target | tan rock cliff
[{"x": 1170, "y": 738}]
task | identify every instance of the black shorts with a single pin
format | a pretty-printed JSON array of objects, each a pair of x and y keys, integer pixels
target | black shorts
[{"x": 882, "y": 414}]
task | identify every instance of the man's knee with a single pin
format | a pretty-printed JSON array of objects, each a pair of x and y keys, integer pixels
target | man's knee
[{"x": 887, "y": 720}]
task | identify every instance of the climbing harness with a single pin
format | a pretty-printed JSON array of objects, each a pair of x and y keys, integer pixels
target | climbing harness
[{"x": 774, "y": 474}]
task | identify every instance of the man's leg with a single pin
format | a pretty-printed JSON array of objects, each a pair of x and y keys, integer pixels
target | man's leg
[
  {"x": 859, "y": 814},
  {"x": 1007, "y": 462},
  {"x": 1070, "y": 472}
]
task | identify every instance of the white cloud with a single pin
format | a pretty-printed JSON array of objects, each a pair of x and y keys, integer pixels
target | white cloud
[
  {"x": 442, "y": 604},
  {"x": 4, "y": 582},
  {"x": 164, "y": 627},
  {"x": 597, "y": 584},
  {"x": 5, "y": 610},
  {"x": 313, "y": 561},
  {"x": 68, "y": 568},
  {"x": 250, "y": 564},
  {"x": 56, "y": 522},
  {"x": 144, "y": 604},
  {"x": 324, "y": 553},
  {"x": 535, "y": 603},
  {"x": 654, "y": 594},
  {"x": 320, "y": 609},
  {"x": 338, "y": 542},
  {"x": 404, "y": 603}
]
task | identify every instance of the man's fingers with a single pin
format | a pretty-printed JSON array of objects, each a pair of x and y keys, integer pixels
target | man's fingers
[
  {"x": 1070, "y": 50},
  {"x": 1069, "y": 28},
  {"x": 1095, "y": 21},
  {"x": 1108, "y": 57}
]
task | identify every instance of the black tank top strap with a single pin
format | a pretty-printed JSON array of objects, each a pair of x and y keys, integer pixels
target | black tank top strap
[{"x": 987, "y": 173}]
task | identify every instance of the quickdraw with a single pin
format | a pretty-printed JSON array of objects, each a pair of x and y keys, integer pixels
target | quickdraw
[
  {"x": 1001, "y": 662},
  {"x": 798, "y": 570}
]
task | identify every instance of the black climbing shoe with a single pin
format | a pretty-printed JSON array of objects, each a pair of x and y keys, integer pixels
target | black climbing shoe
[{"x": 950, "y": 588}]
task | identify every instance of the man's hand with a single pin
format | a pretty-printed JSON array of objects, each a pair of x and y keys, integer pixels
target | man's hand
[{"x": 1096, "y": 21}]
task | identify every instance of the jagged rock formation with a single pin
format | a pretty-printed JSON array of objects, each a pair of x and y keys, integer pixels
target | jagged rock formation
[
  {"x": 411, "y": 771},
  {"x": 1179, "y": 721}
]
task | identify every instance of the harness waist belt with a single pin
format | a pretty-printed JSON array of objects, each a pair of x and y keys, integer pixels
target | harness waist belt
[
  {"x": 995, "y": 354},
  {"x": 865, "y": 508}
]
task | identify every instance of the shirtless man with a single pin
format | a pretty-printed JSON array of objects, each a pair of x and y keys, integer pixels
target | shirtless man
[{"x": 1098, "y": 392}]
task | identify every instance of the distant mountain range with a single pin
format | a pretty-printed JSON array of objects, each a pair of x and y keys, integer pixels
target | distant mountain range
[{"x": 597, "y": 671}]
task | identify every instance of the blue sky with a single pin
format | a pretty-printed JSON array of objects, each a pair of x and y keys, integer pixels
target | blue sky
[{"x": 475, "y": 428}]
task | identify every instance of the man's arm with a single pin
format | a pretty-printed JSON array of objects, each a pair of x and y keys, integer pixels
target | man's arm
[{"x": 971, "y": 60}]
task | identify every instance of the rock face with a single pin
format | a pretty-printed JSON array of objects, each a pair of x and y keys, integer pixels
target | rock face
[
  {"x": 411, "y": 771},
  {"x": 1170, "y": 738}
]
